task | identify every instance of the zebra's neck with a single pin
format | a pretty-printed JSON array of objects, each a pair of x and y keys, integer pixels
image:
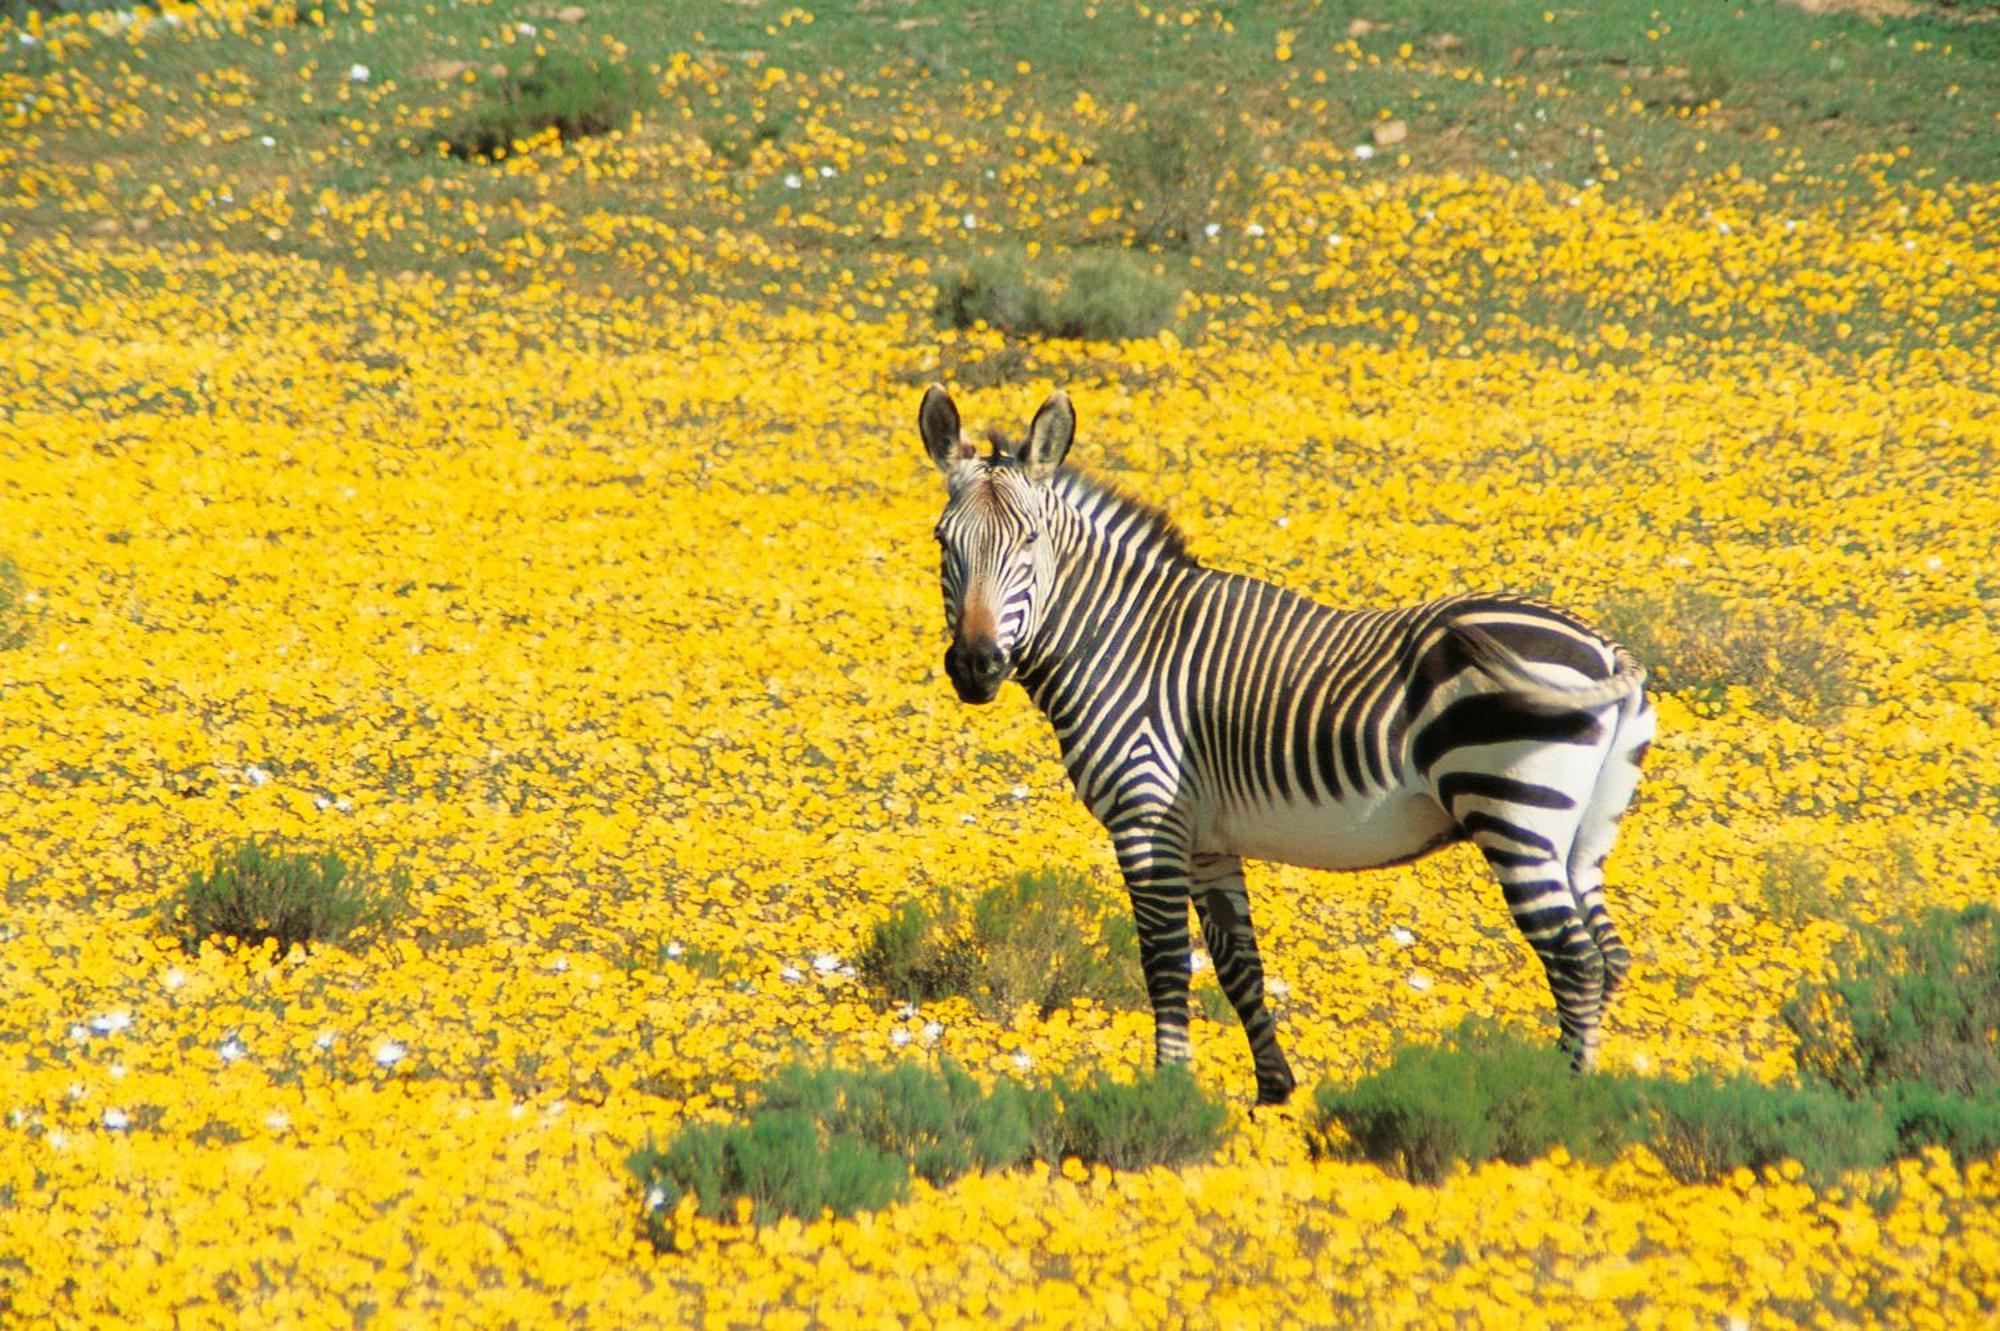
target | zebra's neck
[{"x": 1116, "y": 562}]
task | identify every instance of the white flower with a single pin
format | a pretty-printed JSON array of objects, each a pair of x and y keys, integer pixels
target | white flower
[
  {"x": 324, "y": 1040},
  {"x": 967, "y": 819},
  {"x": 57, "y": 1139},
  {"x": 1401, "y": 936},
  {"x": 656, "y": 1197},
  {"x": 1254, "y": 229},
  {"x": 267, "y": 140},
  {"x": 117, "y": 1120},
  {"x": 174, "y": 979},
  {"x": 1418, "y": 981},
  {"x": 674, "y": 951},
  {"x": 1640, "y": 1063},
  {"x": 826, "y": 962},
  {"x": 112, "y": 1022},
  {"x": 1197, "y": 962},
  {"x": 899, "y": 1037},
  {"x": 256, "y": 775},
  {"x": 1212, "y": 230},
  {"x": 118, "y": 1072},
  {"x": 276, "y": 1121},
  {"x": 1282, "y": 523},
  {"x": 389, "y": 1053},
  {"x": 1024, "y": 1060},
  {"x": 933, "y": 1031},
  {"x": 1020, "y": 792},
  {"x": 791, "y": 973},
  {"x": 793, "y": 180},
  {"x": 969, "y": 222},
  {"x": 525, "y": 29},
  {"x": 1364, "y": 151},
  {"x": 1276, "y": 988},
  {"x": 357, "y": 73},
  {"x": 827, "y": 173},
  {"x": 232, "y": 1049},
  {"x": 80, "y": 1034}
]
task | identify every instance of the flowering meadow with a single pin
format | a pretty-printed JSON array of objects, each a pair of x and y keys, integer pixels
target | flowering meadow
[{"x": 547, "y": 529}]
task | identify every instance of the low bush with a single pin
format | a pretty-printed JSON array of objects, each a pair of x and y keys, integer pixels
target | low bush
[
  {"x": 575, "y": 96},
  {"x": 1161, "y": 1119},
  {"x": 1043, "y": 938},
  {"x": 1915, "y": 1003},
  {"x": 1486, "y": 1095},
  {"x": 1966, "y": 1126},
  {"x": 1703, "y": 1129},
  {"x": 1177, "y": 168},
  {"x": 15, "y": 619},
  {"x": 1104, "y": 296},
  {"x": 257, "y": 894},
  {"x": 1698, "y": 645},
  {"x": 827, "y": 1140}
]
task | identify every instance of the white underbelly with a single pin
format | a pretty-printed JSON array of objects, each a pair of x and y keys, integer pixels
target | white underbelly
[{"x": 1353, "y": 834}]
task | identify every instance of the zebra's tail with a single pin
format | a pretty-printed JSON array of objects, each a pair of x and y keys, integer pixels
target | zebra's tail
[{"x": 1517, "y": 676}]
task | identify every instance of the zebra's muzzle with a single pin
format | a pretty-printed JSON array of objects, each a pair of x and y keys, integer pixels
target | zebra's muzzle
[{"x": 977, "y": 669}]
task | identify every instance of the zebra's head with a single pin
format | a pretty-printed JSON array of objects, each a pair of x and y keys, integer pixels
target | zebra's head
[{"x": 997, "y": 561}]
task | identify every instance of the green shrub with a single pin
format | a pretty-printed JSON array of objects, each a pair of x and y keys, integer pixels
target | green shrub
[
  {"x": 1698, "y": 645},
  {"x": 256, "y": 894},
  {"x": 824, "y": 1139},
  {"x": 1487, "y": 1095},
  {"x": 1178, "y": 169},
  {"x": 1164, "y": 1118},
  {"x": 1703, "y": 1129},
  {"x": 939, "y": 1120},
  {"x": 1045, "y": 937},
  {"x": 1966, "y": 1126},
  {"x": 1106, "y": 295},
  {"x": 15, "y": 621},
  {"x": 1916, "y": 1003},
  {"x": 780, "y": 1160},
  {"x": 576, "y": 96}
]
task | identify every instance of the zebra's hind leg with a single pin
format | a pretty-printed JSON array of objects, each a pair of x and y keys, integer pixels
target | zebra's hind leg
[
  {"x": 1616, "y": 781},
  {"x": 1534, "y": 880},
  {"x": 1223, "y": 903}
]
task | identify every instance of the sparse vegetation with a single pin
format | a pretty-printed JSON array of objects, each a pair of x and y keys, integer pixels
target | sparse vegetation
[
  {"x": 569, "y": 95},
  {"x": 1912, "y": 1004},
  {"x": 827, "y": 1140},
  {"x": 15, "y": 617},
  {"x": 1703, "y": 1128},
  {"x": 1179, "y": 167},
  {"x": 1486, "y": 1095},
  {"x": 257, "y": 894},
  {"x": 1043, "y": 938},
  {"x": 1100, "y": 295},
  {"x": 1701, "y": 646}
]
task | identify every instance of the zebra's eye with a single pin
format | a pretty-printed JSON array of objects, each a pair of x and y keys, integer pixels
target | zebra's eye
[{"x": 1031, "y": 537}]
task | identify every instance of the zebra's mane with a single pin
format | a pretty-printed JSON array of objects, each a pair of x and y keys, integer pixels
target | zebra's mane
[{"x": 1098, "y": 500}]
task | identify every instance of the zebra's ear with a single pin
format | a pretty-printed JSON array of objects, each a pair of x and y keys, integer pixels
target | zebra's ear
[
  {"x": 937, "y": 421},
  {"x": 1049, "y": 436}
]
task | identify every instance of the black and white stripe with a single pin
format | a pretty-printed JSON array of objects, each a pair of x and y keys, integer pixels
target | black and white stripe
[{"x": 1207, "y": 717}]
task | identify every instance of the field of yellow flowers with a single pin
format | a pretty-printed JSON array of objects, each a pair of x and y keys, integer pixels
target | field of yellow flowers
[{"x": 554, "y": 531}]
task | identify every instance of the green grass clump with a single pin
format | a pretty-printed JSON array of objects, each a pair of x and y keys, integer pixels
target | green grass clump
[
  {"x": 1105, "y": 295},
  {"x": 256, "y": 894},
  {"x": 1179, "y": 167},
  {"x": 1703, "y": 1129},
  {"x": 1698, "y": 645},
  {"x": 937, "y": 1119},
  {"x": 575, "y": 96},
  {"x": 1043, "y": 938},
  {"x": 1487, "y": 1095},
  {"x": 1913, "y": 1004},
  {"x": 1161, "y": 1119},
  {"x": 14, "y": 617},
  {"x": 827, "y": 1140}
]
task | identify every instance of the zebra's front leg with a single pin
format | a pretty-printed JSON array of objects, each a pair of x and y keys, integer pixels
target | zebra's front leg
[
  {"x": 1155, "y": 867},
  {"x": 1223, "y": 903}
]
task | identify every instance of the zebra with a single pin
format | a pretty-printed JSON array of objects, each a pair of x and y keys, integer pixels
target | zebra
[{"x": 1206, "y": 717}]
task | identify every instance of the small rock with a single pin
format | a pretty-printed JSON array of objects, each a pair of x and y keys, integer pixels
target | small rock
[
  {"x": 570, "y": 14},
  {"x": 1361, "y": 27},
  {"x": 1388, "y": 133}
]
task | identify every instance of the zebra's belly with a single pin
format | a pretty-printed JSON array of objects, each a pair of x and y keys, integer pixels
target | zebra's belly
[{"x": 1351, "y": 834}]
